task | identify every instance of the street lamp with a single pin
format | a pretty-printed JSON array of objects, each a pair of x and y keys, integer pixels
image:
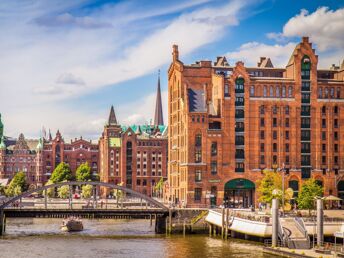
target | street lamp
[{"x": 283, "y": 170}]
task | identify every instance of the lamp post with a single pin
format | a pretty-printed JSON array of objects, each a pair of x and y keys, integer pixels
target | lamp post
[{"x": 283, "y": 188}]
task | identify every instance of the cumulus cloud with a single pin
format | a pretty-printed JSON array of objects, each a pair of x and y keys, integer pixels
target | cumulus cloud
[
  {"x": 250, "y": 53},
  {"x": 324, "y": 26},
  {"x": 69, "y": 78}
]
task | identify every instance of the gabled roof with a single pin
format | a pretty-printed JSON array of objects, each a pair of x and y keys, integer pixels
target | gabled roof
[
  {"x": 221, "y": 61},
  {"x": 265, "y": 62}
]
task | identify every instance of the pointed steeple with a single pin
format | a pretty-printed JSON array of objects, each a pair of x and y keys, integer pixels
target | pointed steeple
[
  {"x": 158, "y": 118},
  {"x": 50, "y": 137},
  {"x": 112, "y": 117}
]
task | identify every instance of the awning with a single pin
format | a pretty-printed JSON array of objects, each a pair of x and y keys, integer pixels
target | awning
[
  {"x": 240, "y": 183},
  {"x": 332, "y": 198}
]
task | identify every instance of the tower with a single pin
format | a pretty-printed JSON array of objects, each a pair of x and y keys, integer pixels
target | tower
[
  {"x": 2, "y": 156},
  {"x": 39, "y": 162},
  {"x": 158, "y": 118}
]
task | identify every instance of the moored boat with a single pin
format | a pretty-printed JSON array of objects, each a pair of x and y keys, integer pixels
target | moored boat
[{"x": 72, "y": 225}]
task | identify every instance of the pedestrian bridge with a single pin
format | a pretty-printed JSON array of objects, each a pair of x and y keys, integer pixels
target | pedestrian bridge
[{"x": 134, "y": 205}]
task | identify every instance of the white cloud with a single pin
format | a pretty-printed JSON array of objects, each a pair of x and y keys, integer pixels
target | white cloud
[
  {"x": 324, "y": 26},
  {"x": 44, "y": 66},
  {"x": 250, "y": 53}
]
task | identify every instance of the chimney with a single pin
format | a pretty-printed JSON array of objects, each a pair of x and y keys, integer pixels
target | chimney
[{"x": 175, "y": 53}]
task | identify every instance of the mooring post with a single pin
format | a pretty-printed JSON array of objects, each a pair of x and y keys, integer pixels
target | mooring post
[
  {"x": 45, "y": 199},
  {"x": 20, "y": 203},
  {"x": 170, "y": 220},
  {"x": 96, "y": 191},
  {"x": 94, "y": 198},
  {"x": 210, "y": 230},
  {"x": 184, "y": 228},
  {"x": 150, "y": 217},
  {"x": 320, "y": 222},
  {"x": 226, "y": 223},
  {"x": 274, "y": 222},
  {"x": 223, "y": 224},
  {"x": 2, "y": 222},
  {"x": 70, "y": 197}
]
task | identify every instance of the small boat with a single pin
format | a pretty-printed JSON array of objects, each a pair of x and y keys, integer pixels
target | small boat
[{"x": 72, "y": 225}]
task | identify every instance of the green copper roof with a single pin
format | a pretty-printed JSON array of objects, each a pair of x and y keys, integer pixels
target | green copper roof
[
  {"x": 115, "y": 142},
  {"x": 144, "y": 128},
  {"x": 2, "y": 144},
  {"x": 239, "y": 183}
]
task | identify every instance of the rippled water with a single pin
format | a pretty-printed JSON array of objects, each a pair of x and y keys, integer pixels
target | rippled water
[{"x": 113, "y": 238}]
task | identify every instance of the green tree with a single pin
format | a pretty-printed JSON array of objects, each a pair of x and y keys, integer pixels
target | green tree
[
  {"x": 86, "y": 191},
  {"x": 159, "y": 186},
  {"x": 61, "y": 173},
  {"x": 270, "y": 182},
  {"x": 50, "y": 191},
  {"x": 310, "y": 190},
  {"x": 17, "y": 185},
  {"x": 83, "y": 173},
  {"x": 63, "y": 191}
]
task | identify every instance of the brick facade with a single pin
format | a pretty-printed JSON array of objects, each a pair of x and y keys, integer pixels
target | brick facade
[{"x": 228, "y": 123}]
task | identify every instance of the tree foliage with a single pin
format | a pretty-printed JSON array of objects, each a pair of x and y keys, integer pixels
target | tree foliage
[
  {"x": 61, "y": 173},
  {"x": 310, "y": 190},
  {"x": 63, "y": 191},
  {"x": 50, "y": 191},
  {"x": 83, "y": 173},
  {"x": 17, "y": 185},
  {"x": 86, "y": 191},
  {"x": 270, "y": 182}
]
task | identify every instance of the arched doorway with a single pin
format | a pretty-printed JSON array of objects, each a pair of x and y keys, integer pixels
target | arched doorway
[
  {"x": 239, "y": 193},
  {"x": 341, "y": 190}
]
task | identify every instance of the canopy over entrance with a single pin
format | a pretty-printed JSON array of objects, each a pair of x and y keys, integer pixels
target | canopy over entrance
[{"x": 240, "y": 183}]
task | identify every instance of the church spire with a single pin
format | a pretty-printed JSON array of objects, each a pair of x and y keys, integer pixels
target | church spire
[
  {"x": 158, "y": 118},
  {"x": 112, "y": 117}
]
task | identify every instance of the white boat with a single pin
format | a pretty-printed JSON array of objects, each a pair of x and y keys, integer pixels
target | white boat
[{"x": 72, "y": 225}]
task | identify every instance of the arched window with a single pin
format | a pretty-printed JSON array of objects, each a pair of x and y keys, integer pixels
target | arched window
[
  {"x": 290, "y": 92},
  {"x": 264, "y": 91},
  {"x": 271, "y": 91},
  {"x": 262, "y": 110},
  {"x": 283, "y": 92},
  {"x": 198, "y": 140},
  {"x": 332, "y": 93},
  {"x": 338, "y": 93},
  {"x": 277, "y": 91},
  {"x": 326, "y": 93},
  {"x": 252, "y": 91},
  {"x": 320, "y": 93}
]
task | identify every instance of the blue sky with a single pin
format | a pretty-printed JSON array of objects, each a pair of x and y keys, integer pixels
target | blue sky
[{"x": 64, "y": 63}]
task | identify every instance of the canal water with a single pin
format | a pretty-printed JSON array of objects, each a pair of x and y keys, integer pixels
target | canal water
[{"x": 113, "y": 238}]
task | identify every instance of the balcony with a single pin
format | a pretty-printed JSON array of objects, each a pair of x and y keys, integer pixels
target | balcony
[{"x": 239, "y": 103}]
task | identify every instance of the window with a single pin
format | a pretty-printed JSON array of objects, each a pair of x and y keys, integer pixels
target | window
[
  {"x": 336, "y": 148},
  {"x": 138, "y": 182},
  {"x": 326, "y": 93},
  {"x": 226, "y": 90},
  {"x": 262, "y": 122},
  {"x": 198, "y": 140},
  {"x": 320, "y": 94},
  {"x": 274, "y": 147},
  {"x": 213, "y": 149},
  {"x": 323, "y": 147},
  {"x": 332, "y": 92},
  {"x": 323, "y": 159},
  {"x": 274, "y": 110},
  {"x": 323, "y": 110},
  {"x": 198, "y": 175},
  {"x": 335, "y": 123},
  {"x": 198, "y": 156},
  {"x": 287, "y": 147},
  {"x": 335, "y": 136},
  {"x": 252, "y": 91},
  {"x": 264, "y": 91},
  {"x": 277, "y": 91},
  {"x": 274, "y": 159},
  {"x": 274, "y": 135},
  {"x": 144, "y": 182},
  {"x": 323, "y": 123},
  {"x": 214, "y": 167},
  {"x": 338, "y": 93},
  {"x": 274, "y": 122},
  {"x": 287, "y": 122},
  {"x": 262, "y": 159},
  {"x": 323, "y": 136},
  {"x": 283, "y": 92},
  {"x": 262, "y": 149},
  {"x": 335, "y": 109},
  {"x": 290, "y": 92},
  {"x": 287, "y": 110},
  {"x": 271, "y": 91},
  {"x": 262, "y": 136},
  {"x": 336, "y": 160},
  {"x": 198, "y": 194},
  {"x": 287, "y": 135},
  {"x": 287, "y": 159},
  {"x": 262, "y": 110}
]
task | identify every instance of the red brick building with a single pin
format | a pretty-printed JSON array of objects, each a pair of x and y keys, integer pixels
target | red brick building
[
  {"x": 20, "y": 155},
  {"x": 228, "y": 122},
  {"x": 74, "y": 153},
  {"x": 135, "y": 156}
]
